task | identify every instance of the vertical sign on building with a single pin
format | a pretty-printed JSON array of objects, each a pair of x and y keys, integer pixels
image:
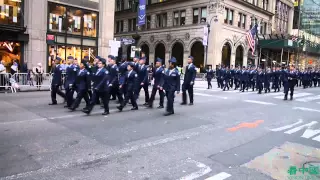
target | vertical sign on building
[
  {"x": 205, "y": 35},
  {"x": 142, "y": 13}
]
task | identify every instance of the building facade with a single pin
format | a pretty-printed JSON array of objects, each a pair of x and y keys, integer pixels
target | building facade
[
  {"x": 177, "y": 28},
  {"x": 38, "y": 31}
]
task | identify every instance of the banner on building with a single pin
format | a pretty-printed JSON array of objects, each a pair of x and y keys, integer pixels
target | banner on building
[
  {"x": 142, "y": 13},
  {"x": 205, "y": 36}
]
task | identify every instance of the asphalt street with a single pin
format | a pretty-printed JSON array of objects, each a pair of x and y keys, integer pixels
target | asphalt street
[{"x": 225, "y": 135}]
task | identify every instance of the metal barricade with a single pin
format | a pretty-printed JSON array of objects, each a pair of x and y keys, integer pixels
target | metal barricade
[
  {"x": 33, "y": 81},
  {"x": 5, "y": 82}
]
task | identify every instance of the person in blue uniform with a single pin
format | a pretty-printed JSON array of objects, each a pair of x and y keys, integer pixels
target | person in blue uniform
[
  {"x": 136, "y": 64},
  {"x": 158, "y": 76},
  {"x": 171, "y": 85},
  {"x": 131, "y": 84},
  {"x": 244, "y": 78},
  {"x": 56, "y": 82},
  {"x": 253, "y": 77},
  {"x": 82, "y": 85},
  {"x": 188, "y": 81},
  {"x": 100, "y": 87},
  {"x": 237, "y": 81},
  {"x": 226, "y": 78},
  {"x": 290, "y": 78},
  {"x": 276, "y": 80},
  {"x": 114, "y": 81},
  {"x": 259, "y": 80},
  {"x": 232, "y": 71},
  {"x": 143, "y": 76},
  {"x": 267, "y": 80},
  {"x": 218, "y": 70},
  {"x": 71, "y": 74},
  {"x": 209, "y": 76},
  {"x": 123, "y": 68}
]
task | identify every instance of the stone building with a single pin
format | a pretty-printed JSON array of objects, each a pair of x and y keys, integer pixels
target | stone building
[{"x": 177, "y": 28}]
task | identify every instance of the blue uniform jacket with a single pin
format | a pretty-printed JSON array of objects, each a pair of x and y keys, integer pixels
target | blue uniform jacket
[
  {"x": 83, "y": 81},
  {"x": 122, "y": 71},
  {"x": 267, "y": 77},
  {"x": 131, "y": 81},
  {"x": 158, "y": 75},
  {"x": 190, "y": 74},
  {"x": 113, "y": 73},
  {"x": 260, "y": 77},
  {"x": 71, "y": 74},
  {"x": 57, "y": 75},
  {"x": 101, "y": 80},
  {"x": 171, "y": 80},
  {"x": 143, "y": 74},
  {"x": 292, "y": 76},
  {"x": 244, "y": 75},
  {"x": 209, "y": 74}
]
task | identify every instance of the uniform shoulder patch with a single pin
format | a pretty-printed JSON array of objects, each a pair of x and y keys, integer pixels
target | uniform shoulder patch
[
  {"x": 136, "y": 75},
  {"x": 74, "y": 69},
  {"x": 107, "y": 72},
  {"x": 117, "y": 69},
  {"x": 88, "y": 73}
]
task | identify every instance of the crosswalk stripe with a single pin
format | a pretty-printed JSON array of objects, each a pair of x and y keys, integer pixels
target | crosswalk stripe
[
  {"x": 220, "y": 176},
  {"x": 274, "y": 94},
  {"x": 295, "y": 95},
  {"x": 308, "y": 99},
  {"x": 209, "y": 95},
  {"x": 259, "y": 102}
]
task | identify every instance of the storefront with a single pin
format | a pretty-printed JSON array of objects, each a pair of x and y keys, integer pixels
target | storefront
[
  {"x": 71, "y": 32},
  {"x": 12, "y": 37}
]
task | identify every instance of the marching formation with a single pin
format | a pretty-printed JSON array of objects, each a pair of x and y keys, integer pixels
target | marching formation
[
  {"x": 260, "y": 79},
  {"x": 105, "y": 81}
]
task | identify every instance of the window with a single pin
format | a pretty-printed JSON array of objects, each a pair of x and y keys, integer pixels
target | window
[
  {"x": 148, "y": 24},
  {"x": 90, "y": 21},
  {"x": 57, "y": 18},
  {"x": 253, "y": 22},
  {"x": 182, "y": 18},
  {"x": 265, "y": 4},
  {"x": 91, "y": 52},
  {"x": 74, "y": 21},
  {"x": 261, "y": 28},
  {"x": 176, "y": 18},
  {"x": 132, "y": 24},
  {"x": 122, "y": 5},
  {"x": 119, "y": 26},
  {"x": 118, "y": 5},
  {"x": 228, "y": 16},
  {"x": 265, "y": 28},
  {"x": 203, "y": 14},
  {"x": 130, "y": 3},
  {"x": 195, "y": 16},
  {"x": 10, "y": 12},
  {"x": 161, "y": 20},
  {"x": 242, "y": 20}
]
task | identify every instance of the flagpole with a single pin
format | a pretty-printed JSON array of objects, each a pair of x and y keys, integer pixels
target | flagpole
[
  {"x": 288, "y": 57},
  {"x": 259, "y": 57},
  {"x": 281, "y": 55}
]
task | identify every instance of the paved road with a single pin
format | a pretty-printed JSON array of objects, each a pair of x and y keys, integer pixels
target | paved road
[{"x": 225, "y": 135}]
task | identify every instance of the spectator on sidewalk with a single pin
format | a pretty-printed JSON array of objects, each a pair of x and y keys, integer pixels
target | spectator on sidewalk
[
  {"x": 24, "y": 70},
  {"x": 38, "y": 72}
]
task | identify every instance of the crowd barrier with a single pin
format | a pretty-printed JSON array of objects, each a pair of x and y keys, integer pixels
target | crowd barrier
[{"x": 33, "y": 82}]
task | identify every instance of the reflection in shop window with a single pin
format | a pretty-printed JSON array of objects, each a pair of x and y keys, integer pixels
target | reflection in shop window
[
  {"x": 57, "y": 18},
  {"x": 61, "y": 52},
  {"x": 10, "y": 12},
  {"x": 74, "y": 51},
  {"x": 90, "y": 52},
  {"x": 10, "y": 51},
  {"x": 90, "y": 24},
  {"x": 74, "y": 21}
]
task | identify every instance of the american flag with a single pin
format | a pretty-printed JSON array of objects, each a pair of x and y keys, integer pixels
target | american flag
[{"x": 251, "y": 38}]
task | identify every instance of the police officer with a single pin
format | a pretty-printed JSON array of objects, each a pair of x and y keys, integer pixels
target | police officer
[
  {"x": 131, "y": 84},
  {"x": 226, "y": 78},
  {"x": 136, "y": 64},
  {"x": 244, "y": 77},
  {"x": 71, "y": 74},
  {"x": 292, "y": 77},
  {"x": 218, "y": 70},
  {"x": 209, "y": 76},
  {"x": 82, "y": 85},
  {"x": 158, "y": 76},
  {"x": 276, "y": 79},
  {"x": 114, "y": 81},
  {"x": 232, "y": 71},
  {"x": 267, "y": 80},
  {"x": 100, "y": 87},
  {"x": 56, "y": 82},
  {"x": 259, "y": 80},
  {"x": 188, "y": 81},
  {"x": 143, "y": 76},
  {"x": 237, "y": 81},
  {"x": 171, "y": 85},
  {"x": 122, "y": 74}
]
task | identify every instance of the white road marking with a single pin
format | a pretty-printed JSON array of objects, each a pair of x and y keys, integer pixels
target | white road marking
[
  {"x": 220, "y": 176},
  {"x": 259, "y": 102},
  {"x": 287, "y": 126},
  {"x": 306, "y": 109},
  {"x": 318, "y": 102},
  {"x": 205, "y": 89},
  {"x": 308, "y": 133},
  {"x": 296, "y": 95},
  {"x": 301, "y": 127},
  {"x": 274, "y": 94},
  {"x": 317, "y": 138},
  {"x": 209, "y": 95},
  {"x": 308, "y": 99},
  {"x": 203, "y": 171}
]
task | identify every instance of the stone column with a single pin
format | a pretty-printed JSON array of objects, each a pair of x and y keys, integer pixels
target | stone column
[
  {"x": 245, "y": 59},
  {"x": 233, "y": 59},
  {"x": 36, "y": 22},
  {"x": 290, "y": 20},
  {"x": 106, "y": 26},
  {"x": 186, "y": 54},
  {"x": 167, "y": 58},
  {"x": 189, "y": 15},
  {"x": 153, "y": 21}
]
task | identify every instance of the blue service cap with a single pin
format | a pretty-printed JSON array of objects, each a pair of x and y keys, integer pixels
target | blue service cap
[
  {"x": 98, "y": 57},
  {"x": 86, "y": 58},
  {"x": 103, "y": 61},
  {"x": 70, "y": 57},
  {"x": 173, "y": 60},
  {"x": 159, "y": 60},
  {"x": 137, "y": 57},
  {"x": 58, "y": 58},
  {"x": 191, "y": 57},
  {"x": 143, "y": 58},
  {"x": 111, "y": 57}
]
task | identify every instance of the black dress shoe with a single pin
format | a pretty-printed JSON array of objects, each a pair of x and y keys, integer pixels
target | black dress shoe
[
  {"x": 168, "y": 113},
  {"x": 146, "y": 104},
  {"x": 105, "y": 113},
  {"x": 285, "y": 98},
  {"x": 66, "y": 106},
  {"x": 190, "y": 104},
  {"x": 134, "y": 108},
  {"x": 53, "y": 103},
  {"x": 71, "y": 109},
  {"x": 183, "y": 103},
  {"x": 120, "y": 108},
  {"x": 291, "y": 98},
  {"x": 86, "y": 111},
  {"x": 160, "y": 107}
]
